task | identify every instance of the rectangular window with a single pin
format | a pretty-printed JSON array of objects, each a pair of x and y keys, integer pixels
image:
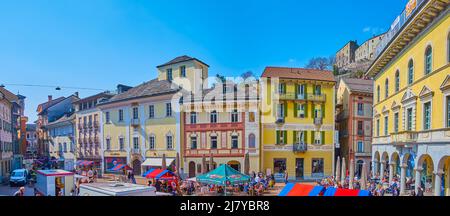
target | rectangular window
[
  {"x": 360, "y": 148},
  {"x": 300, "y": 136},
  {"x": 409, "y": 119},
  {"x": 193, "y": 142},
  {"x": 318, "y": 90},
  {"x": 396, "y": 122},
  {"x": 234, "y": 142},
  {"x": 301, "y": 91},
  {"x": 183, "y": 71},
  {"x": 213, "y": 142},
  {"x": 213, "y": 117},
  {"x": 152, "y": 143},
  {"x": 360, "y": 109},
  {"x": 378, "y": 127},
  {"x": 318, "y": 137},
  {"x": 169, "y": 142},
  {"x": 234, "y": 116},
  {"x": 448, "y": 110},
  {"x": 65, "y": 147},
  {"x": 151, "y": 111},
  {"x": 281, "y": 88},
  {"x": 120, "y": 115},
  {"x": 108, "y": 144},
  {"x": 169, "y": 74},
  {"x": 281, "y": 138},
  {"x": 193, "y": 118},
  {"x": 135, "y": 143},
  {"x": 121, "y": 143},
  {"x": 135, "y": 113},
  {"x": 386, "y": 126},
  {"x": 108, "y": 120},
  {"x": 317, "y": 167},
  {"x": 251, "y": 117},
  {"x": 301, "y": 110},
  {"x": 360, "y": 128},
  {"x": 280, "y": 111},
  {"x": 168, "y": 109},
  {"x": 427, "y": 116}
]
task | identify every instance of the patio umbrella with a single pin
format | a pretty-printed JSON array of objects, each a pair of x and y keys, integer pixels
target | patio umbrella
[
  {"x": 363, "y": 179},
  {"x": 163, "y": 164},
  {"x": 211, "y": 163},
  {"x": 352, "y": 173},
  {"x": 338, "y": 169},
  {"x": 343, "y": 171},
  {"x": 247, "y": 164},
  {"x": 221, "y": 175},
  {"x": 203, "y": 164}
]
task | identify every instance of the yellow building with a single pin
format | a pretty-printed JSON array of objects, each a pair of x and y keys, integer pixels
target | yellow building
[
  {"x": 411, "y": 137},
  {"x": 297, "y": 122},
  {"x": 141, "y": 124}
]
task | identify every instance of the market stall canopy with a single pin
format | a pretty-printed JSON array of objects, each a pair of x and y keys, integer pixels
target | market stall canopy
[
  {"x": 119, "y": 167},
  {"x": 293, "y": 189},
  {"x": 84, "y": 163},
  {"x": 221, "y": 175},
  {"x": 159, "y": 174},
  {"x": 157, "y": 162},
  {"x": 345, "y": 192}
]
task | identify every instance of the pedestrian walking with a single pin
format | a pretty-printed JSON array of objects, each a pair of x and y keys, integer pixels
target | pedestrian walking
[
  {"x": 286, "y": 177},
  {"x": 20, "y": 192}
]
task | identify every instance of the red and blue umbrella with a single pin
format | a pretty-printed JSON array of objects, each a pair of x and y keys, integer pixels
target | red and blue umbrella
[
  {"x": 84, "y": 163},
  {"x": 158, "y": 174},
  {"x": 292, "y": 189}
]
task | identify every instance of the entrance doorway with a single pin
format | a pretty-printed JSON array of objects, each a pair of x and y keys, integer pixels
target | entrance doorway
[
  {"x": 137, "y": 167},
  {"x": 191, "y": 169},
  {"x": 279, "y": 165},
  {"x": 299, "y": 165}
]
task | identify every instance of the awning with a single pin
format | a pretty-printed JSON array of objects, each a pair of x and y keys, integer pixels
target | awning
[
  {"x": 158, "y": 174},
  {"x": 345, "y": 192},
  {"x": 84, "y": 163},
  {"x": 157, "y": 162},
  {"x": 119, "y": 167},
  {"x": 292, "y": 189}
]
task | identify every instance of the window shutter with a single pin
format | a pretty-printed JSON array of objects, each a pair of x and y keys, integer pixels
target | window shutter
[
  {"x": 285, "y": 109},
  {"x": 278, "y": 137},
  {"x": 323, "y": 137},
  {"x": 312, "y": 137},
  {"x": 296, "y": 105},
  {"x": 312, "y": 110},
  {"x": 295, "y": 137},
  {"x": 306, "y": 90},
  {"x": 285, "y": 137},
  {"x": 296, "y": 90},
  {"x": 306, "y": 110},
  {"x": 284, "y": 88},
  {"x": 323, "y": 110},
  {"x": 314, "y": 89},
  {"x": 305, "y": 136}
]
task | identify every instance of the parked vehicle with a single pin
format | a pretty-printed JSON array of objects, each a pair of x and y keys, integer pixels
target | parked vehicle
[{"x": 19, "y": 177}]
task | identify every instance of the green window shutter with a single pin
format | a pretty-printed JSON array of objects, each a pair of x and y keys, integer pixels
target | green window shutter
[
  {"x": 323, "y": 110},
  {"x": 305, "y": 136},
  {"x": 312, "y": 137},
  {"x": 314, "y": 89},
  {"x": 278, "y": 137},
  {"x": 295, "y": 137},
  {"x": 312, "y": 110},
  {"x": 285, "y": 109},
  {"x": 296, "y": 90},
  {"x": 285, "y": 137},
  {"x": 306, "y": 110},
  {"x": 306, "y": 90},
  {"x": 323, "y": 137},
  {"x": 296, "y": 109}
]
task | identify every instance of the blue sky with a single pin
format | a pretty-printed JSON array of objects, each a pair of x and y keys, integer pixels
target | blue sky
[{"x": 100, "y": 43}]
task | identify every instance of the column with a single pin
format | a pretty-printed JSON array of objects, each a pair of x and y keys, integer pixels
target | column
[
  {"x": 374, "y": 168},
  {"x": 403, "y": 179},
  {"x": 382, "y": 168},
  {"x": 417, "y": 183},
  {"x": 391, "y": 173},
  {"x": 437, "y": 183}
]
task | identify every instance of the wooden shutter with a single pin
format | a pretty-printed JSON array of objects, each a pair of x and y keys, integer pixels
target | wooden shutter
[
  {"x": 285, "y": 109},
  {"x": 306, "y": 110},
  {"x": 296, "y": 90},
  {"x": 323, "y": 110},
  {"x": 323, "y": 137},
  {"x": 312, "y": 137},
  {"x": 312, "y": 110},
  {"x": 296, "y": 105},
  {"x": 305, "y": 136},
  {"x": 295, "y": 137},
  {"x": 285, "y": 137},
  {"x": 278, "y": 137}
]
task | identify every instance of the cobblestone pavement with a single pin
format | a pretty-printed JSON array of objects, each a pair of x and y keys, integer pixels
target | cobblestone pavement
[{"x": 6, "y": 190}]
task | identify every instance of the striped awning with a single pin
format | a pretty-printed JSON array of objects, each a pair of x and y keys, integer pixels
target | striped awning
[
  {"x": 119, "y": 167},
  {"x": 84, "y": 163}
]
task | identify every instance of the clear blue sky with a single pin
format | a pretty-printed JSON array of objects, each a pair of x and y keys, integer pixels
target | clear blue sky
[{"x": 100, "y": 43}]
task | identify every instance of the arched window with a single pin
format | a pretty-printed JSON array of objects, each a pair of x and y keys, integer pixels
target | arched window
[
  {"x": 410, "y": 72},
  {"x": 428, "y": 60},
  {"x": 378, "y": 93},
  {"x": 397, "y": 81},
  {"x": 386, "y": 87},
  {"x": 251, "y": 141}
]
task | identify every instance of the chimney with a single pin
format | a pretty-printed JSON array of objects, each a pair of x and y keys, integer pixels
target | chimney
[
  {"x": 49, "y": 98},
  {"x": 76, "y": 94}
]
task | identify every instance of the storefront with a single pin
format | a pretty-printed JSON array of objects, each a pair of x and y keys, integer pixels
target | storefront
[{"x": 111, "y": 162}]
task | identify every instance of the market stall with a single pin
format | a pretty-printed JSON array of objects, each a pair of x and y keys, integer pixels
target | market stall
[
  {"x": 331, "y": 191},
  {"x": 159, "y": 174},
  {"x": 223, "y": 175},
  {"x": 293, "y": 189},
  {"x": 52, "y": 182}
]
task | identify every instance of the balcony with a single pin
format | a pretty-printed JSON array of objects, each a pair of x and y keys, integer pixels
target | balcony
[
  {"x": 292, "y": 96},
  {"x": 405, "y": 137},
  {"x": 318, "y": 121},
  {"x": 135, "y": 122},
  {"x": 315, "y": 98},
  {"x": 280, "y": 120},
  {"x": 300, "y": 147}
]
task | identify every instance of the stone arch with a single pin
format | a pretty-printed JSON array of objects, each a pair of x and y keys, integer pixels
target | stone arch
[
  {"x": 235, "y": 165},
  {"x": 385, "y": 157},
  {"x": 395, "y": 160},
  {"x": 409, "y": 161},
  {"x": 376, "y": 156},
  {"x": 444, "y": 169},
  {"x": 426, "y": 166}
]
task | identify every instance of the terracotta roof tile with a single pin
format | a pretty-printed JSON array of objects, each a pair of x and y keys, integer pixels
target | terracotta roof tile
[
  {"x": 299, "y": 73},
  {"x": 360, "y": 85}
]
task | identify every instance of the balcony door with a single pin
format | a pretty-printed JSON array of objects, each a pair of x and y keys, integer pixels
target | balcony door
[{"x": 299, "y": 168}]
